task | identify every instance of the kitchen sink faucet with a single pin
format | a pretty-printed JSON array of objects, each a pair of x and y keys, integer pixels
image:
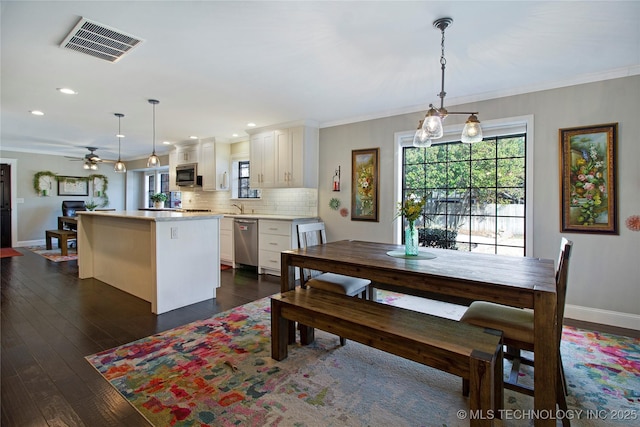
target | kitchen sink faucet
[{"x": 241, "y": 207}]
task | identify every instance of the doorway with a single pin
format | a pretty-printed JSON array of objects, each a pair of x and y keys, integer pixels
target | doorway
[{"x": 5, "y": 205}]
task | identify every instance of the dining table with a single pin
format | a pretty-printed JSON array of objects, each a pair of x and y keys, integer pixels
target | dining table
[{"x": 456, "y": 276}]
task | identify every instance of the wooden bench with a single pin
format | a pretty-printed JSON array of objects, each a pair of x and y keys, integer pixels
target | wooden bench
[
  {"x": 63, "y": 237},
  {"x": 473, "y": 353}
]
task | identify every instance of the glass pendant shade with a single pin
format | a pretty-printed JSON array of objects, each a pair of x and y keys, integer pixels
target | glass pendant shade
[
  {"x": 153, "y": 161},
  {"x": 472, "y": 131},
  {"x": 421, "y": 139},
  {"x": 119, "y": 167},
  {"x": 433, "y": 125},
  {"x": 86, "y": 166}
]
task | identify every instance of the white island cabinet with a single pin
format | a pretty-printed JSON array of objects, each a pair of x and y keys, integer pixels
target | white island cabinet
[{"x": 170, "y": 259}]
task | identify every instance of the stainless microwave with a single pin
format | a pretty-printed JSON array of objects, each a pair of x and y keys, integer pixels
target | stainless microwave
[{"x": 187, "y": 175}]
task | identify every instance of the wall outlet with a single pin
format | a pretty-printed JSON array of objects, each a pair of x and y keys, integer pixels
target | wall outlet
[{"x": 174, "y": 232}]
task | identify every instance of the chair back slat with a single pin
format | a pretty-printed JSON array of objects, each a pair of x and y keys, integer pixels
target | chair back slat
[
  {"x": 562, "y": 274},
  {"x": 311, "y": 234}
]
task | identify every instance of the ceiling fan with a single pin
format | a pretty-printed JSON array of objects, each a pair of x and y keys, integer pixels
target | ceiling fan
[{"x": 91, "y": 159}]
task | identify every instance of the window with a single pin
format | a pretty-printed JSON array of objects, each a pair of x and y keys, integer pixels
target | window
[
  {"x": 158, "y": 182},
  {"x": 244, "y": 190},
  {"x": 476, "y": 194}
]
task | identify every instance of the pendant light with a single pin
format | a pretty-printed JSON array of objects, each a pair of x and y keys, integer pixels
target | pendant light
[
  {"x": 119, "y": 167},
  {"x": 430, "y": 127},
  {"x": 154, "y": 160}
]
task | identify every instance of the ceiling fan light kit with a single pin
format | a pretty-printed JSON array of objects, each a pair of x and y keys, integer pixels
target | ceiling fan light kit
[
  {"x": 430, "y": 127},
  {"x": 119, "y": 167},
  {"x": 153, "y": 161}
]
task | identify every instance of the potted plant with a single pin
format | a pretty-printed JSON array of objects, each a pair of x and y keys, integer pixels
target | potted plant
[
  {"x": 91, "y": 205},
  {"x": 158, "y": 200}
]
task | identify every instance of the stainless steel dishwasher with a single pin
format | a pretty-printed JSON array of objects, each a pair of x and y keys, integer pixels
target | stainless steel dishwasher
[{"x": 245, "y": 237}]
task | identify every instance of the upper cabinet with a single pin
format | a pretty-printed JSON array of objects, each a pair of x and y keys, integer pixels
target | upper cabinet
[
  {"x": 213, "y": 163},
  {"x": 173, "y": 162},
  {"x": 187, "y": 153},
  {"x": 284, "y": 158},
  {"x": 262, "y": 160}
]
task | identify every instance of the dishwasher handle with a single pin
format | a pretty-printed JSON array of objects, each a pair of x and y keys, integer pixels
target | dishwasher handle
[{"x": 247, "y": 221}]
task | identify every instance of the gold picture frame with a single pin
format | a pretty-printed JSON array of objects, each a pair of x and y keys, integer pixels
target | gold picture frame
[
  {"x": 588, "y": 188},
  {"x": 365, "y": 188}
]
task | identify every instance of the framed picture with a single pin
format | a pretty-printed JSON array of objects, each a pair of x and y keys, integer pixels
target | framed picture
[
  {"x": 588, "y": 179},
  {"x": 365, "y": 187},
  {"x": 72, "y": 186}
]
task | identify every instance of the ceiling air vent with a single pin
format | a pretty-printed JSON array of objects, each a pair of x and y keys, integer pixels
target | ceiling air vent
[{"x": 95, "y": 39}]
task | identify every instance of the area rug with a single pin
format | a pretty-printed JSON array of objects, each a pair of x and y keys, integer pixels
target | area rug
[
  {"x": 9, "y": 252},
  {"x": 218, "y": 372},
  {"x": 54, "y": 254}
]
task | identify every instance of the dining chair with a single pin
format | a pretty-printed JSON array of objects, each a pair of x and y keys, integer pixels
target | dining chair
[
  {"x": 517, "y": 327},
  {"x": 312, "y": 234}
]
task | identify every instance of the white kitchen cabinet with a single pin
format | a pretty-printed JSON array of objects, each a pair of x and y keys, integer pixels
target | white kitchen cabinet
[
  {"x": 262, "y": 160},
  {"x": 214, "y": 165},
  {"x": 275, "y": 236},
  {"x": 286, "y": 157},
  {"x": 187, "y": 153},
  {"x": 297, "y": 157},
  {"x": 226, "y": 241},
  {"x": 173, "y": 162}
]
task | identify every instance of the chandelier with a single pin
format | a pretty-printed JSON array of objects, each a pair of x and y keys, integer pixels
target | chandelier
[{"x": 430, "y": 127}]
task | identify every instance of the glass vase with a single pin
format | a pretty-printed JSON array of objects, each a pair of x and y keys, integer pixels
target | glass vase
[{"x": 411, "y": 240}]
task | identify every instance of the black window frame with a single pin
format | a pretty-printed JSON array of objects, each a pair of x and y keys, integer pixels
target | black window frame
[{"x": 447, "y": 235}]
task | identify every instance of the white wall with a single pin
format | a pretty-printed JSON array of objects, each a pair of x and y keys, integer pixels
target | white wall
[{"x": 604, "y": 276}]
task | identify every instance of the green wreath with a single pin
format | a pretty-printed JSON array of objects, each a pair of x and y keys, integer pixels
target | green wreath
[{"x": 36, "y": 181}]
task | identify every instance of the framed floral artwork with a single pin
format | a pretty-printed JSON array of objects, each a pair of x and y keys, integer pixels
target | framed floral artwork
[
  {"x": 365, "y": 188},
  {"x": 588, "y": 179}
]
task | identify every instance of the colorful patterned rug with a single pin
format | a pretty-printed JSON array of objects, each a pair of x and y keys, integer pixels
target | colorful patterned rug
[
  {"x": 54, "y": 254},
  {"x": 218, "y": 372}
]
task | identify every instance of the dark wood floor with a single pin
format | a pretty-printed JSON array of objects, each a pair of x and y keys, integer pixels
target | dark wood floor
[{"x": 51, "y": 320}]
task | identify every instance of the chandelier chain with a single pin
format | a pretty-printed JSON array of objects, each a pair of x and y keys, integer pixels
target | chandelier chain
[{"x": 443, "y": 63}]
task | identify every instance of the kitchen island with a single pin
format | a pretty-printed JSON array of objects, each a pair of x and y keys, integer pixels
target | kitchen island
[{"x": 170, "y": 259}]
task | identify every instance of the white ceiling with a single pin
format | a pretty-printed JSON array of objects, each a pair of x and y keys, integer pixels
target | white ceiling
[{"x": 215, "y": 66}]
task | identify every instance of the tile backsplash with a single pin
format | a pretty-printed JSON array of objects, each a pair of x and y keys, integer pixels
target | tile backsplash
[{"x": 281, "y": 201}]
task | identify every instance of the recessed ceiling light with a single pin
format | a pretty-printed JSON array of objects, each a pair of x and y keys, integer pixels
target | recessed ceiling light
[
  {"x": 166, "y": 142},
  {"x": 234, "y": 135},
  {"x": 67, "y": 91},
  {"x": 251, "y": 124},
  {"x": 193, "y": 137},
  {"x": 119, "y": 135},
  {"x": 37, "y": 112}
]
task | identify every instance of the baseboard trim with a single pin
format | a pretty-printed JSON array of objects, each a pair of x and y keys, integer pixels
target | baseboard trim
[
  {"x": 24, "y": 243},
  {"x": 605, "y": 317}
]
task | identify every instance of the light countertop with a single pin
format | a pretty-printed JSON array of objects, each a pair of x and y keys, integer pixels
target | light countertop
[
  {"x": 154, "y": 215},
  {"x": 270, "y": 216}
]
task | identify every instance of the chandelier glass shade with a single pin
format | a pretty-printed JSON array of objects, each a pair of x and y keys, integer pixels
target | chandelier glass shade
[
  {"x": 119, "y": 167},
  {"x": 153, "y": 161},
  {"x": 431, "y": 127}
]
